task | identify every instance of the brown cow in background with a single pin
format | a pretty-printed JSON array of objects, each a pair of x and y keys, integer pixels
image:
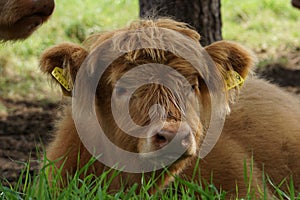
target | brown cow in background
[
  {"x": 20, "y": 18},
  {"x": 264, "y": 121},
  {"x": 296, "y": 3}
]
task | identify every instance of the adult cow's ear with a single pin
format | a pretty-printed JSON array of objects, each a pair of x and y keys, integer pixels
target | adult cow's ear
[
  {"x": 233, "y": 61},
  {"x": 62, "y": 63}
]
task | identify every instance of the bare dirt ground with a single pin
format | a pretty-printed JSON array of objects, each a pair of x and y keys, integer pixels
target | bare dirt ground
[
  {"x": 27, "y": 127},
  {"x": 23, "y": 135}
]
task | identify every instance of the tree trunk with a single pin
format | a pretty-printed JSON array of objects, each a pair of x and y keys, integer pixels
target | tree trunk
[{"x": 204, "y": 16}]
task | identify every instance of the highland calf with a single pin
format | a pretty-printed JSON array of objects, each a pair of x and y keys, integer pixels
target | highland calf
[
  {"x": 157, "y": 94},
  {"x": 19, "y": 18}
]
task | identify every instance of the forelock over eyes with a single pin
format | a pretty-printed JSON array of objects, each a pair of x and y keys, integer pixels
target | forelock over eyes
[
  {"x": 155, "y": 42},
  {"x": 140, "y": 25}
]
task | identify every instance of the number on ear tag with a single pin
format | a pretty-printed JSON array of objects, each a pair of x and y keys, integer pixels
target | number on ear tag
[
  {"x": 234, "y": 80},
  {"x": 57, "y": 73}
]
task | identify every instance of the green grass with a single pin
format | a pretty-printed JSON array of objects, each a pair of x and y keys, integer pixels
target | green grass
[
  {"x": 270, "y": 28},
  {"x": 91, "y": 187},
  {"x": 261, "y": 24}
]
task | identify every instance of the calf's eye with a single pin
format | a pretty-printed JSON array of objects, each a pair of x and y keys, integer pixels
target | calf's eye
[
  {"x": 120, "y": 91},
  {"x": 194, "y": 87}
]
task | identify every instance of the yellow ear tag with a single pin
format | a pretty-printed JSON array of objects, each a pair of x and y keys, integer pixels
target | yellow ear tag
[
  {"x": 57, "y": 73},
  {"x": 234, "y": 80}
]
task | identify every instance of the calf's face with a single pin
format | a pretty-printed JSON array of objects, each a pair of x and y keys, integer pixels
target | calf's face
[
  {"x": 150, "y": 101},
  {"x": 152, "y": 107},
  {"x": 147, "y": 108},
  {"x": 19, "y": 18}
]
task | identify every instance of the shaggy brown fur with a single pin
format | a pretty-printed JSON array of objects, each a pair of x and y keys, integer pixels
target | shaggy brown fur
[
  {"x": 19, "y": 18},
  {"x": 263, "y": 123}
]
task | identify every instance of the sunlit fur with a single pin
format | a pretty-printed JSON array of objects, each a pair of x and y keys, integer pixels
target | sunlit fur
[
  {"x": 263, "y": 122},
  {"x": 263, "y": 126},
  {"x": 19, "y": 18}
]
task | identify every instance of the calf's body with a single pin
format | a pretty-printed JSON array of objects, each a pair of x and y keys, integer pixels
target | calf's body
[{"x": 264, "y": 128}]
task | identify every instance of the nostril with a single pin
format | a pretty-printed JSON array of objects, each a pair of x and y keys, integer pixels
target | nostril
[
  {"x": 160, "y": 140},
  {"x": 160, "y": 137},
  {"x": 186, "y": 140}
]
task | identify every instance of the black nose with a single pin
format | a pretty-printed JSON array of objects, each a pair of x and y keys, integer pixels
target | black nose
[{"x": 43, "y": 7}]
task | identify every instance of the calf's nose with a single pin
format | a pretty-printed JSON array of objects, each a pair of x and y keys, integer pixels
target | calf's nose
[{"x": 181, "y": 135}]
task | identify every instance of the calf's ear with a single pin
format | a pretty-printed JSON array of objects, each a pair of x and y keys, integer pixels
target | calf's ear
[
  {"x": 233, "y": 61},
  {"x": 62, "y": 62}
]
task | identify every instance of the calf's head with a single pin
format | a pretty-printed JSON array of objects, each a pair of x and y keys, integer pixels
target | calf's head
[{"x": 152, "y": 88}]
